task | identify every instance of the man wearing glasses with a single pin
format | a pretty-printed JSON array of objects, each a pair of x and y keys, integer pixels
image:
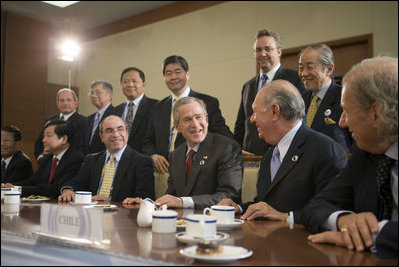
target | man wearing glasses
[
  {"x": 267, "y": 51},
  {"x": 116, "y": 173}
]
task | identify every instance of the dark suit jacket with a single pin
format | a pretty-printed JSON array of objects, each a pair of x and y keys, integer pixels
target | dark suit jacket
[
  {"x": 140, "y": 122},
  {"x": 78, "y": 123},
  {"x": 156, "y": 140},
  {"x": 216, "y": 172},
  {"x": 245, "y": 133},
  {"x": 296, "y": 182},
  {"x": 134, "y": 176},
  {"x": 332, "y": 102},
  {"x": 355, "y": 189},
  {"x": 67, "y": 168},
  {"x": 96, "y": 145},
  {"x": 19, "y": 168}
]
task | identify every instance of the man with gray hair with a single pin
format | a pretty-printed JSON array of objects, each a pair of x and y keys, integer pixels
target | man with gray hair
[
  {"x": 67, "y": 103},
  {"x": 300, "y": 163},
  {"x": 359, "y": 208},
  {"x": 322, "y": 99}
]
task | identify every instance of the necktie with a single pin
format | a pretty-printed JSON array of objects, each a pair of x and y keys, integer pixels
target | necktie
[
  {"x": 129, "y": 116},
  {"x": 108, "y": 176},
  {"x": 95, "y": 125},
  {"x": 189, "y": 163},
  {"x": 275, "y": 162},
  {"x": 264, "y": 79},
  {"x": 3, "y": 170},
  {"x": 312, "y": 110},
  {"x": 53, "y": 168},
  {"x": 173, "y": 131},
  {"x": 384, "y": 185}
]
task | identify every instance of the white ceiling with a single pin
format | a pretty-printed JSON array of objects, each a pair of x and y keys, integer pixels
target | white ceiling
[{"x": 81, "y": 16}]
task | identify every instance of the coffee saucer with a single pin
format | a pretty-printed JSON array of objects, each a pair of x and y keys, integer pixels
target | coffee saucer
[
  {"x": 230, "y": 226},
  {"x": 228, "y": 254},
  {"x": 183, "y": 237},
  {"x": 81, "y": 204}
]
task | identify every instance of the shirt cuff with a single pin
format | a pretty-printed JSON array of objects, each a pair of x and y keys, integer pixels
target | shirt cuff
[
  {"x": 188, "y": 202},
  {"x": 331, "y": 223},
  {"x": 381, "y": 225}
]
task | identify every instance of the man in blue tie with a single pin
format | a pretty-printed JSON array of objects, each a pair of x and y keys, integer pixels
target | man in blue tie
[{"x": 299, "y": 165}]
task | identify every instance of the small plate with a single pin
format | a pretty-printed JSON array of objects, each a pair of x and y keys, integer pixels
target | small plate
[
  {"x": 105, "y": 207},
  {"x": 35, "y": 200},
  {"x": 81, "y": 204},
  {"x": 229, "y": 226},
  {"x": 182, "y": 237},
  {"x": 181, "y": 226},
  {"x": 229, "y": 254}
]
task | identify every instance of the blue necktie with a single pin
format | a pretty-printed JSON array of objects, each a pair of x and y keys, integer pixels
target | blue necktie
[
  {"x": 264, "y": 80},
  {"x": 275, "y": 162}
]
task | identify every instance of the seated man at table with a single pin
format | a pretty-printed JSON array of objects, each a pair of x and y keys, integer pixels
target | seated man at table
[
  {"x": 359, "y": 207},
  {"x": 116, "y": 173},
  {"x": 207, "y": 168},
  {"x": 15, "y": 165},
  {"x": 300, "y": 163},
  {"x": 58, "y": 166}
]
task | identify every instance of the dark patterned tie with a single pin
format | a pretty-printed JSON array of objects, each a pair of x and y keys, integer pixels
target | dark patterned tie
[
  {"x": 129, "y": 116},
  {"x": 384, "y": 185},
  {"x": 275, "y": 163},
  {"x": 3, "y": 169}
]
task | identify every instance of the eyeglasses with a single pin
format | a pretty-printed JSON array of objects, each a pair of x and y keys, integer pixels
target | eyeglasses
[
  {"x": 95, "y": 93},
  {"x": 119, "y": 130},
  {"x": 267, "y": 49}
]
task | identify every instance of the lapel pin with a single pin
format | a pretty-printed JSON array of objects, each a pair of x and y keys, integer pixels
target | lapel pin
[
  {"x": 294, "y": 158},
  {"x": 202, "y": 162},
  {"x": 205, "y": 157},
  {"x": 327, "y": 112}
]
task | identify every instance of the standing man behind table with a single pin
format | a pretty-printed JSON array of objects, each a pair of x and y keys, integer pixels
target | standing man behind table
[
  {"x": 162, "y": 137},
  {"x": 323, "y": 96},
  {"x": 359, "y": 208},
  {"x": 116, "y": 173},
  {"x": 267, "y": 51},
  {"x": 207, "y": 168},
  {"x": 301, "y": 162},
  {"x": 15, "y": 165},
  {"x": 135, "y": 110},
  {"x": 100, "y": 96},
  {"x": 67, "y": 103}
]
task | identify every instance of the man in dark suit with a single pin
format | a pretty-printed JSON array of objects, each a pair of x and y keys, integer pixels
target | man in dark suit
[
  {"x": 323, "y": 96},
  {"x": 135, "y": 110},
  {"x": 59, "y": 165},
  {"x": 300, "y": 163},
  {"x": 207, "y": 168},
  {"x": 15, "y": 165},
  {"x": 100, "y": 97},
  {"x": 267, "y": 51},
  {"x": 359, "y": 208},
  {"x": 67, "y": 103},
  {"x": 116, "y": 173},
  {"x": 161, "y": 137}
]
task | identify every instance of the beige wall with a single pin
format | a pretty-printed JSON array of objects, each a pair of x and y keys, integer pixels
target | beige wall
[{"x": 217, "y": 43}]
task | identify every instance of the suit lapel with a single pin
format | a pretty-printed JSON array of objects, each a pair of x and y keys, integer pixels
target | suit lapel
[
  {"x": 97, "y": 170},
  {"x": 123, "y": 165},
  {"x": 328, "y": 101},
  {"x": 140, "y": 113}
]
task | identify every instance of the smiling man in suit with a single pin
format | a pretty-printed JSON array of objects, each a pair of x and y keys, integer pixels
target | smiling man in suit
[
  {"x": 267, "y": 51},
  {"x": 323, "y": 96},
  {"x": 137, "y": 106},
  {"x": 300, "y": 163},
  {"x": 116, "y": 173}
]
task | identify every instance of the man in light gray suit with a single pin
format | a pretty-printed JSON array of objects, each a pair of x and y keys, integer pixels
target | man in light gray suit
[{"x": 213, "y": 173}]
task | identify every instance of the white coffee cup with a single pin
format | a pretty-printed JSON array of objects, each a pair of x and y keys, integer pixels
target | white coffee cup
[
  {"x": 17, "y": 188},
  {"x": 164, "y": 221},
  {"x": 201, "y": 226},
  {"x": 4, "y": 190},
  {"x": 223, "y": 214},
  {"x": 10, "y": 209},
  {"x": 82, "y": 197},
  {"x": 12, "y": 197}
]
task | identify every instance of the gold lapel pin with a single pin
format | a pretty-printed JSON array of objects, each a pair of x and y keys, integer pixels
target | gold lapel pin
[{"x": 202, "y": 162}]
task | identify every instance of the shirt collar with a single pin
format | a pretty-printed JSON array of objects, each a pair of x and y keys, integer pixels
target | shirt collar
[
  {"x": 286, "y": 141},
  {"x": 324, "y": 89},
  {"x": 136, "y": 102},
  {"x": 103, "y": 109},
  {"x": 67, "y": 116},
  {"x": 59, "y": 156},
  {"x": 117, "y": 154},
  {"x": 392, "y": 151},
  {"x": 7, "y": 160},
  {"x": 184, "y": 94},
  {"x": 270, "y": 74}
]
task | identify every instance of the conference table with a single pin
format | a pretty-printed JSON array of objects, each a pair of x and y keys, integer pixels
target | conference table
[{"x": 123, "y": 242}]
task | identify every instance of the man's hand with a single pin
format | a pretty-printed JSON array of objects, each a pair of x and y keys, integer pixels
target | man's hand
[
  {"x": 131, "y": 200},
  {"x": 264, "y": 210},
  {"x": 99, "y": 198},
  {"x": 7, "y": 185},
  {"x": 161, "y": 164},
  {"x": 229, "y": 202},
  {"x": 170, "y": 201},
  {"x": 246, "y": 153},
  {"x": 67, "y": 195}
]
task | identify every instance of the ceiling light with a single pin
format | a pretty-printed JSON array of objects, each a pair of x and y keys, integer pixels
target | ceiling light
[{"x": 61, "y": 3}]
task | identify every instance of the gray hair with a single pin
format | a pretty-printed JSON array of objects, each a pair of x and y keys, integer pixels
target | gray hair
[
  {"x": 326, "y": 56},
  {"x": 376, "y": 80},
  {"x": 75, "y": 97},
  {"x": 271, "y": 33},
  {"x": 184, "y": 101},
  {"x": 107, "y": 86},
  {"x": 287, "y": 96}
]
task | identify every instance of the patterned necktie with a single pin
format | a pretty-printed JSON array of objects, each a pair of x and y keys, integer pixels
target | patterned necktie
[
  {"x": 129, "y": 116},
  {"x": 95, "y": 125},
  {"x": 312, "y": 110},
  {"x": 189, "y": 163},
  {"x": 3, "y": 169},
  {"x": 53, "y": 168},
  {"x": 384, "y": 185},
  {"x": 108, "y": 176},
  {"x": 275, "y": 162},
  {"x": 173, "y": 131}
]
